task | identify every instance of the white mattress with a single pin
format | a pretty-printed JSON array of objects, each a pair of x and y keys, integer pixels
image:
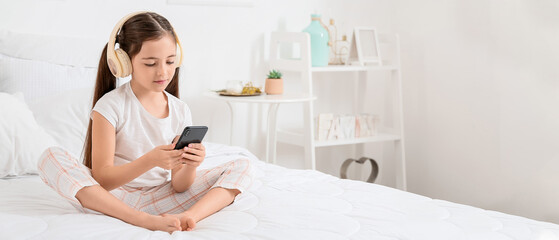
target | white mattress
[{"x": 281, "y": 204}]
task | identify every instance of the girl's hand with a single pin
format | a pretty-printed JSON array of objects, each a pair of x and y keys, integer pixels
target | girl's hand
[
  {"x": 166, "y": 157},
  {"x": 176, "y": 139},
  {"x": 195, "y": 154}
]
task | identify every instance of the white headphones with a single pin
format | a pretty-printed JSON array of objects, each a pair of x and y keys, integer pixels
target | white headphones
[{"x": 117, "y": 59}]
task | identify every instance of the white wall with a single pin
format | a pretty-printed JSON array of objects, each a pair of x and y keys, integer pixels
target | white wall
[
  {"x": 220, "y": 43},
  {"x": 480, "y": 88},
  {"x": 481, "y": 102}
]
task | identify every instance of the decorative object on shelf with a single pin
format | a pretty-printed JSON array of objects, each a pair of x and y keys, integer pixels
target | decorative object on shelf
[
  {"x": 374, "y": 168},
  {"x": 364, "y": 47},
  {"x": 274, "y": 83},
  {"x": 324, "y": 125},
  {"x": 335, "y": 131},
  {"x": 320, "y": 41},
  {"x": 338, "y": 127},
  {"x": 366, "y": 125},
  {"x": 339, "y": 47},
  {"x": 347, "y": 127}
]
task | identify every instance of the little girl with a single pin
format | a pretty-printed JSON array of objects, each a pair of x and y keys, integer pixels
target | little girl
[{"x": 132, "y": 171}]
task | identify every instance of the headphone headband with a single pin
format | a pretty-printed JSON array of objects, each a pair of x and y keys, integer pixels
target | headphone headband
[{"x": 118, "y": 61}]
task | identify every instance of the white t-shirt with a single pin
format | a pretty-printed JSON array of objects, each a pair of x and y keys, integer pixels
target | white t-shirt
[{"x": 138, "y": 132}]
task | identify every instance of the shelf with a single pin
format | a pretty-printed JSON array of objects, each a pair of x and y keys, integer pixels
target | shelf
[
  {"x": 296, "y": 138},
  {"x": 390, "y": 69},
  {"x": 350, "y": 68},
  {"x": 381, "y": 137},
  {"x": 263, "y": 98}
]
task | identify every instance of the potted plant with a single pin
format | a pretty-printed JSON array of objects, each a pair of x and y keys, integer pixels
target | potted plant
[{"x": 274, "y": 83}]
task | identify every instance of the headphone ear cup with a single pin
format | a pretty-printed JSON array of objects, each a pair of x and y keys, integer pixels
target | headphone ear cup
[
  {"x": 178, "y": 60},
  {"x": 125, "y": 64},
  {"x": 114, "y": 66}
]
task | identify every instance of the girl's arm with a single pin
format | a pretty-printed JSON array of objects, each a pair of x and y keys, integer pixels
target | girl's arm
[
  {"x": 102, "y": 155},
  {"x": 182, "y": 176}
]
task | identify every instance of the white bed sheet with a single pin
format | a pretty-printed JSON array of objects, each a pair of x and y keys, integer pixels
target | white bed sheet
[{"x": 281, "y": 204}]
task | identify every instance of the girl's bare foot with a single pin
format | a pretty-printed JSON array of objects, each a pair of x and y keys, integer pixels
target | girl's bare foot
[
  {"x": 187, "y": 221},
  {"x": 167, "y": 223}
]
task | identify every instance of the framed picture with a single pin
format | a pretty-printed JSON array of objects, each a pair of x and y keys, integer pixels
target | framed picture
[{"x": 364, "y": 47}]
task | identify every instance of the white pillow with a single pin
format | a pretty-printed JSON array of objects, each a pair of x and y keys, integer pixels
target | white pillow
[
  {"x": 77, "y": 51},
  {"x": 37, "y": 79},
  {"x": 22, "y": 140},
  {"x": 65, "y": 117},
  {"x": 42, "y": 65}
]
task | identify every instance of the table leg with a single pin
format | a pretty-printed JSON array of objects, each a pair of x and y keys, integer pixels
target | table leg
[
  {"x": 401, "y": 181},
  {"x": 271, "y": 139},
  {"x": 232, "y": 123}
]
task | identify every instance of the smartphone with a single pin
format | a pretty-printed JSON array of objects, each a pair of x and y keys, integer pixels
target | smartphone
[{"x": 191, "y": 134}]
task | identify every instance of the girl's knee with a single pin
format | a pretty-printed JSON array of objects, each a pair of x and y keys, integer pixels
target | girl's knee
[
  {"x": 241, "y": 165},
  {"x": 50, "y": 155},
  {"x": 52, "y": 160},
  {"x": 242, "y": 162},
  {"x": 46, "y": 157}
]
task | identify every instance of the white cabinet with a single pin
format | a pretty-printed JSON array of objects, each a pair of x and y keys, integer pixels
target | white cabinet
[{"x": 299, "y": 44}]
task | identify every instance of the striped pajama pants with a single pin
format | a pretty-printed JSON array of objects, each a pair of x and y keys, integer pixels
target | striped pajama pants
[{"x": 66, "y": 175}]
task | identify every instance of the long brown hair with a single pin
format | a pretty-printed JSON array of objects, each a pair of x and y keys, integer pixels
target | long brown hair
[{"x": 136, "y": 30}]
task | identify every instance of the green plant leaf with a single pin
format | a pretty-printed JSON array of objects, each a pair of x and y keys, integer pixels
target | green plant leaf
[{"x": 274, "y": 74}]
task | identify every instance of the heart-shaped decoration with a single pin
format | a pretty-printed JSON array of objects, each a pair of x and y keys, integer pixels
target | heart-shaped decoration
[{"x": 374, "y": 168}]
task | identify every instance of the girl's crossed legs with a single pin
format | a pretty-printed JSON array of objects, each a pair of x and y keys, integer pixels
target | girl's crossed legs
[{"x": 155, "y": 208}]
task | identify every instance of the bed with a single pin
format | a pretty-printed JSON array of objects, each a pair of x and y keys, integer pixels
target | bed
[{"x": 45, "y": 90}]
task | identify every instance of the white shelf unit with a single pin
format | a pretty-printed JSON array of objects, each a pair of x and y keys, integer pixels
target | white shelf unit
[{"x": 306, "y": 137}]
